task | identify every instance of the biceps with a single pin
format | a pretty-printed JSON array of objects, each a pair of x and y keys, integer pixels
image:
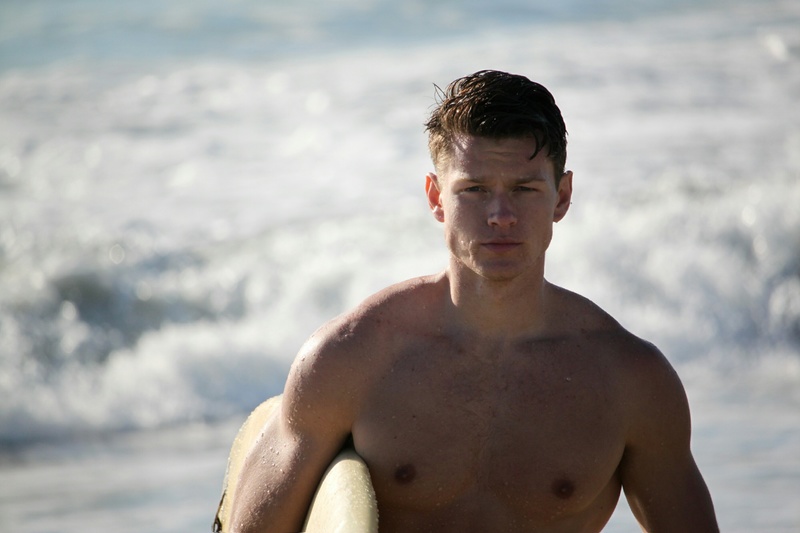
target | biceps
[
  {"x": 278, "y": 477},
  {"x": 668, "y": 494}
]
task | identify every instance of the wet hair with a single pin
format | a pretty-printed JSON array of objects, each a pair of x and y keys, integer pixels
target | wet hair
[{"x": 497, "y": 105}]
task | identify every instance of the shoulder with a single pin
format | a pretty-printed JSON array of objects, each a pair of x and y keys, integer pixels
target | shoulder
[
  {"x": 577, "y": 315},
  {"x": 647, "y": 383},
  {"x": 650, "y": 391},
  {"x": 373, "y": 321},
  {"x": 349, "y": 351},
  {"x": 574, "y": 314}
]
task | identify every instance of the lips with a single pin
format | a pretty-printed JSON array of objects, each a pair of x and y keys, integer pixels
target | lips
[{"x": 501, "y": 245}]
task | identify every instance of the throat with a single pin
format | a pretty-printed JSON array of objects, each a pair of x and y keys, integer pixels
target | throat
[{"x": 506, "y": 306}]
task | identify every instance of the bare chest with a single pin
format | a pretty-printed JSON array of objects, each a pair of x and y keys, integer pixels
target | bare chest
[{"x": 520, "y": 433}]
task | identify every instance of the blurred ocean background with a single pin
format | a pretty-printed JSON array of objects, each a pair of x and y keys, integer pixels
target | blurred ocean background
[{"x": 189, "y": 188}]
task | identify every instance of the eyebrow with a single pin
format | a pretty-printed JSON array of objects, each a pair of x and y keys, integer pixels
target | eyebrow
[{"x": 523, "y": 179}]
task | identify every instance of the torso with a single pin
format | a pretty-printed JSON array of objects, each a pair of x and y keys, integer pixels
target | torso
[{"x": 468, "y": 434}]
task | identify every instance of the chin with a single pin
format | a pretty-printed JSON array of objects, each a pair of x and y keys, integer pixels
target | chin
[
  {"x": 498, "y": 274},
  {"x": 496, "y": 270},
  {"x": 499, "y": 278}
]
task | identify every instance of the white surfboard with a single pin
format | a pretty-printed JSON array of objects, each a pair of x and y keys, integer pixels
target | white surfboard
[{"x": 344, "y": 501}]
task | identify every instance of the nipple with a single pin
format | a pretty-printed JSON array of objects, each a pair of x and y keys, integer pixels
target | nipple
[
  {"x": 563, "y": 488},
  {"x": 405, "y": 474}
]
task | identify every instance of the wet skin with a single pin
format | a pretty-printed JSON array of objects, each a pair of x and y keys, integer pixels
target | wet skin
[{"x": 484, "y": 398}]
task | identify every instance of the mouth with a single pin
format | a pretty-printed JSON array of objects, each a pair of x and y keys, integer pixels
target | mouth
[{"x": 501, "y": 246}]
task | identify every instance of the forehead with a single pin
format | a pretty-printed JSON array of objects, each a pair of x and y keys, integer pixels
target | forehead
[{"x": 483, "y": 157}]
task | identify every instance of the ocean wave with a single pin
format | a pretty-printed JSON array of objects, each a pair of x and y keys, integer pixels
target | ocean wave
[{"x": 171, "y": 233}]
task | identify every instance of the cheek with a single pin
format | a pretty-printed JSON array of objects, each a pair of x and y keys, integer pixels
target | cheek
[
  {"x": 459, "y": 231},
  {"x": 461, "y": 220},
  {"x": 464, "y": 212}
]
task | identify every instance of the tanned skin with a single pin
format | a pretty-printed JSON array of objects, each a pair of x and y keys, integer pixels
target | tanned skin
[{"x": 484, "y": 398}]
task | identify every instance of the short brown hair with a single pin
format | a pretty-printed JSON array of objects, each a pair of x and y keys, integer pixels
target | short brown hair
[{"x": 497, "y": 105}]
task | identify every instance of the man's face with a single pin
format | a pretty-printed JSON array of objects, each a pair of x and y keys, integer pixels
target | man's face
[{"x": 498, "y": 205}]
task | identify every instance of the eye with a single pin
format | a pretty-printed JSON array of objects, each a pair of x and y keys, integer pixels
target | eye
[{"x": 474, "y": 188}]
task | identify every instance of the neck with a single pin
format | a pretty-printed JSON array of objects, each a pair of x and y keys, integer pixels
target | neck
[{"x": 498, "y": 308}]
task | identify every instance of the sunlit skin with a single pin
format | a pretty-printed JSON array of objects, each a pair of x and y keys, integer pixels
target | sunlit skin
[
  {"x": 498, "y": 205},
  {"x": 484, "y": 398}
]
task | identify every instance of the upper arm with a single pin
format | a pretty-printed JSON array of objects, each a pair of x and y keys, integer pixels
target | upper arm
[
  {"x": 662, "y": 483},
  {"x": 285, "y": 464}
]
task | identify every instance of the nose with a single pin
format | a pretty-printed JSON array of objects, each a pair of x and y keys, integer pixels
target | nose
[{"x": 501, "y": 211}]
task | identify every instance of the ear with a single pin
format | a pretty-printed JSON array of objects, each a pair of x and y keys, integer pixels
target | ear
[
  {"x": 564, "y": 194},
  {"x": 434, "y": 196}
]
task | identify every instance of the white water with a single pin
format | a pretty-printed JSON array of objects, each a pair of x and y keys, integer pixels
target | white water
[{"x": 184, "y": 199}]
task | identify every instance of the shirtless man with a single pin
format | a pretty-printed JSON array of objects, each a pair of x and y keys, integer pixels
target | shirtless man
[{"x": 484, "y": 398}]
